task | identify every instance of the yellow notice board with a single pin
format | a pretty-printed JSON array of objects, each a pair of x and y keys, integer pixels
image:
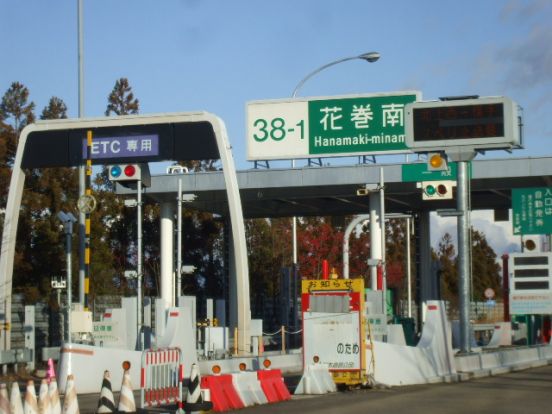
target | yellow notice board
[{"x": 352, "y": 285}]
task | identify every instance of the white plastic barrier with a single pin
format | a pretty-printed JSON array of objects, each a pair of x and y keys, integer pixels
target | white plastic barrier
[
  {"x": 430, "y": 361},
  {"x": 249, "y": 388},
  {"x": 395, "y": 334},
  {"x": 316, "y": 380},
  {"x": 502, "y": 335}
]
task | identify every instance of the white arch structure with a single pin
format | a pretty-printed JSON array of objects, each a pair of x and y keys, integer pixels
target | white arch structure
[{"x": 234, "y": 203}]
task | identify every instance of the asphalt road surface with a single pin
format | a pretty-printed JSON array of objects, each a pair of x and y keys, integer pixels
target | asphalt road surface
[{"x": 525, "y": 392}]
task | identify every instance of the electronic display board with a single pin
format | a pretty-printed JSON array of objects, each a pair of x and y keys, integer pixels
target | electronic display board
[{"x": 483, "y": 123}]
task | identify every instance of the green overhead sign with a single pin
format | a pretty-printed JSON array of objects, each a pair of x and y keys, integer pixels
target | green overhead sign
[
  {"x": 418, "y": 172},
  {"x": 329, "y": 126},
  {"x": 532, "y": 210}
]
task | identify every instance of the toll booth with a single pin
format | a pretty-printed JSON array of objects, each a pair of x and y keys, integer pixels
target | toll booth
[{"x": 333, "y": 317}]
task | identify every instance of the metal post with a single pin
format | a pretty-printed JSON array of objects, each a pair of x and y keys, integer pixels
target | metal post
[
  {"x": 408, "y": 273},
  {"x": 463, "y": 256},
  {"x": 81, "y": 168},
  {"x": 179, "y": 242},
  {"x": 68, "y": 233},
  {"x": 139, "y": 263},
  {"x": 383, "y": 239}
]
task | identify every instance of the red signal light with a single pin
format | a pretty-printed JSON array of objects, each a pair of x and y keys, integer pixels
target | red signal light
[
  {"x": 442, "y": 189},
  {"x": 130, "y": 170}
]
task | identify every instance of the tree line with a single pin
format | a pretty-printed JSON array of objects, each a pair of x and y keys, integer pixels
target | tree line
[{"x": 40, "y": 251}]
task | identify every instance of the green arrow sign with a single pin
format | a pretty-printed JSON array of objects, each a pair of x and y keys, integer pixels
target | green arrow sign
[{"x": 532, "y": 210}]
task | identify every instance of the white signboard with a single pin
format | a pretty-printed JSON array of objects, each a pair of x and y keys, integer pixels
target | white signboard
[
  {"x": 530, "y": 283},
  {"x": 334, "y": 338},
  {"x": 328, "y": 126}
]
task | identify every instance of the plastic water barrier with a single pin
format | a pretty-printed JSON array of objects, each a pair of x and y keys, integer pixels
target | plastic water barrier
[{"x": 161, "y": 377}]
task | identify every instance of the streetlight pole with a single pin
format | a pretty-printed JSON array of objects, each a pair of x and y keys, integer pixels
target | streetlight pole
[{"x": 369, "y": 57}]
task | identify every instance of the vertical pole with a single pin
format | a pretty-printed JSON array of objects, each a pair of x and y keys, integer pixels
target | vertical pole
[
  {"x": 383, "y": 240},
  {"x": 87, "y": 191},
  {"x": 463, "y": 256},
  {"x": 408, "y": 273},
  {"x": 179, "y": 242},
  {"x": 139, "y": 263},
  {"x": 375, "y": 236},
  {"x": 81, "y": 168},
  {"x": 506, "y": 287},
  {"x": 68, "y": 233}
]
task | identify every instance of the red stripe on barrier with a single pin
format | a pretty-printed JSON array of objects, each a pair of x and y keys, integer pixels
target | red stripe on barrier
[
  {"x": 174, "y": 314},
  {"x": 223, "y": 395},
  {"x": 432, "y": 307},
  {"x": 180, "y": 372},
  {"x": 273, "y": 386},
  {"x": 142, "y": 378}
]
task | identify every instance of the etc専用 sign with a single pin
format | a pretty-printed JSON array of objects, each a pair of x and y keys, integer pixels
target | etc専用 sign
[{"x": 328, "y": 126}]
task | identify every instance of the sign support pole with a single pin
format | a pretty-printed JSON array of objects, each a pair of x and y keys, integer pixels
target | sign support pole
[
  {"x": 462, "y": 157},
  {"x": 463, "y": 226},
  {"x": 139, "y": 263}
]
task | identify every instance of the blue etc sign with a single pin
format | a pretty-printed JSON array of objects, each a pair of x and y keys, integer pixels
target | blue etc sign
[{"x": 123, "y": 147}]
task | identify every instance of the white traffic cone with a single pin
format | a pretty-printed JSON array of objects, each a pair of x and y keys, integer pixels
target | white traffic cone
[
  {"x": 30, "y": 406},
  {"x": 126, "y": 398},
  {"x": 15, "y": 399},
  {"x": 70, "y": 402},
  {"x": 4, "y": 400},
  {"x": 44, "y": 398},
  {"x": 53, "y": 392},
  {"x": 106, "y": 404}
]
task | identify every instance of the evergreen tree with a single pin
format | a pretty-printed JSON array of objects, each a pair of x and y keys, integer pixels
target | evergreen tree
[
  {"x": 485, "y": 269},
  {"x": 446, "y": 256},
  {"x": 15, "y": 113},
  {"x": 56, "y": 190},
  {"x": 121, "y": 100}
]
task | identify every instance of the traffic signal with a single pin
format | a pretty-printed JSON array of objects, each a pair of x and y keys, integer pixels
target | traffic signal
[
  {"x": 130, "y": 173},
  {"x": 437, "y": 190},
  {"x": 437, "y": 161}
]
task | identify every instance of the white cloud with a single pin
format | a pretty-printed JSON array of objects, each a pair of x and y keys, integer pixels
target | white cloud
[{"x": 498, "y": 234}]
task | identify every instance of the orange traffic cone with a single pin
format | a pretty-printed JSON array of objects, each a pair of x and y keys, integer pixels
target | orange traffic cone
[
  {"x": 15, "y": 399},
  {"x": 126, "y": 399},
  {"x": 70, "y": 402},
  {"x": 106, "y": 404},
  {"x": 30, "y": 406}
]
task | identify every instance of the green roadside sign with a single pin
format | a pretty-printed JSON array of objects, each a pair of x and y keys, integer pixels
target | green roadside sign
[
  {"x": 532, "y": 210},
  {"x": 328, "y": 126},
  {"x": 418, "y": 172}
]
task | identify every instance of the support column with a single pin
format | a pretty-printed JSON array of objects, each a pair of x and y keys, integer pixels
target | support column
[
  {"x": 232, "y": 279},
  {"x": 375, "y": 235},
  {"x": 428, "y": 288},
  {"x": 167, "y": 252},
  {"x": 464, "y": 254}
]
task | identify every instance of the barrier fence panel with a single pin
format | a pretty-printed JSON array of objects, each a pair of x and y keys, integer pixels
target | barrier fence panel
[{"x": 161, "y": 377}]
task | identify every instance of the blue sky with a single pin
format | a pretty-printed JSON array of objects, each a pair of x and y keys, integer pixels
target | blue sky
[{"x": 187, "y": 55}]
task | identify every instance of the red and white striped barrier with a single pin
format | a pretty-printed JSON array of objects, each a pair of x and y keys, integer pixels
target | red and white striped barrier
[
  {"x": 161, "y": 377},
  {"x": 223, "y": 394},
  {"x": 248, "y": 387},
  {"x": 273, "y": 385}
]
